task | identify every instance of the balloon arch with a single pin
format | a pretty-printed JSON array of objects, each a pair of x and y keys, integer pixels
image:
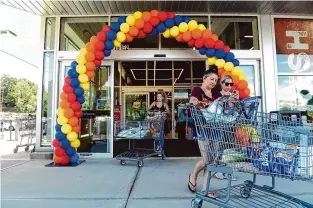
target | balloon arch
[{"x": 138, "y": 25}]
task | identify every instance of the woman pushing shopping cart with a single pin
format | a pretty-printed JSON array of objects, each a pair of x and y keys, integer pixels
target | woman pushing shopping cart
[{"x": 239, "y": 138}]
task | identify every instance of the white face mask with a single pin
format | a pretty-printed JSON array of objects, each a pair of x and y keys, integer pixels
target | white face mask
[{"x": 307, "y": 96}]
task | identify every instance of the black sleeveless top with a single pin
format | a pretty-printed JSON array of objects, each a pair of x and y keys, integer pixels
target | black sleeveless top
[{"x": 156, "y": 108}]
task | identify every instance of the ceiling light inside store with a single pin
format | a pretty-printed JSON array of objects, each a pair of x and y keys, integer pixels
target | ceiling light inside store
[{"x": 248, "y": 36}]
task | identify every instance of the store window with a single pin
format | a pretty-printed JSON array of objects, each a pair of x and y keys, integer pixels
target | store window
[
  {"x": 294, "y": 55},
  {"x": 150, "y": 42},
  {"x": 170, "y": 43},
  {"x": 198, "y": 69},
  {"x": 133, "y": 73},
  {"x": 76, "y": 32},
  {"x": 50, "y": 34},
  {"x": 160, "y": 73},
  {"x": 182, "y": 74},
  {"x": 47, "y": 97},
  {"x": 240, "y": 33}
]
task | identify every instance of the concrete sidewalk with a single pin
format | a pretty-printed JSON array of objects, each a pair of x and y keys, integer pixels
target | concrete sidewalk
[{"x": 107, "y": 184}]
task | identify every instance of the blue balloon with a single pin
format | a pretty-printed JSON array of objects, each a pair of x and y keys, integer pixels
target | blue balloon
[
  {"x": 154, "y": 32},
  {"x": 202, "y": 50},
  {"x": 74, "y": 64},
  {"x": 74, "y": 82},
  {"x": 220, "y": 53},
  {"x": 121, "y": 19},
  {"x": 109, "y": 45},
  {"x": 115, "y": 26},
  {"x": 111, "y": 35},
  {"x": 60, "y": 136},
  {"x": 70, "y": 151},
  {"x": 58, "y": 127},
  {"x": 80, "y": 99},
  {"x": 236, "y": 62},
  {"x": 229, "y": 57},
  {"x": 107, "y": 52},
  {"x": 74, "y": 158},
  {"x": 65, "y": 144},
  {"x": 178, "y": 19},
  {"x": 78, "y": 91},
  {"x": 210, "y": 52},
  {"x": 72, "y": 73},
  {"x": 161, "y": 27},
  {"x": 169, "y": 23},
  {"x": 186, "y": 19}
]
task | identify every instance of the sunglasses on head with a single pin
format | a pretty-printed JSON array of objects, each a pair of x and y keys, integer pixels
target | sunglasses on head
[{"x": 229, "y": 84}]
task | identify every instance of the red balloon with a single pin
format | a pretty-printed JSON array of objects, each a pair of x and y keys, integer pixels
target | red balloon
[
  {"x": 162, "y": 16},
  {"x": 97, "y": 62},
  {"x": 133, "y": 31},
  {"x": 220, "y": 72},
  {"x": 142, "y": 34},
  {"x": 75, "y": 106},
  {"x": 171, "y": 15},
  {"x": 235, "y": 79},
  {"x": 67, "y": 80},
  {"x": 56, "y": 143},
  {"x": 209, "y": 43},
  {"x": 102, "y": 36},
  {"x": 56, "y": 159},
  {"x": 233, "y": 88},
  {"x": 147, "y": 28},
  {"x": 129, "y": 38},
  {"x": 242, "y": 84},
  {"x": 244, "y": 93},
  {"x": 68, "y": 89},
  {"x": 71, "y": 97},
  {"x": 76, "y": 129},
  {"x": 64, "y": 160},
  {"x": 78, "y": 114},
  {"x": 59, "y": 152},
  {"x": 99, "y": 45},
  {"x": 219, "y": 44},
  {"x": 226, "y": 49},
  {"x": 199, "y": 43},
  {"x": 154, "y": 21},
  {"x": 191, "y": 43},
  {"x": 179, "y": 37},
  {"x": 106, "y": 28},
  {"x": 139, "y": 23},
  {"x": 99, "y": 55}
]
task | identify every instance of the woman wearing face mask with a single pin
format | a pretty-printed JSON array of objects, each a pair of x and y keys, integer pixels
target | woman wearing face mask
[{"x": 208, "y": 94}]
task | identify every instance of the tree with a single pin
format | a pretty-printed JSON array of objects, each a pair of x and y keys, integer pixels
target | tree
[{"x": 7, "y": 85}]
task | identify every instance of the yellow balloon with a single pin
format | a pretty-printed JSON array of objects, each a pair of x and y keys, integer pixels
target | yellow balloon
[
  {"x": 81, "y": 60},
  {"x": 83, "y": 51},
  {"x": 117, "y": 43},
  {"x": 130, "y": 20},
  {"x": 229, "y": 66},
  {"x": 192, "y": 24},
  {"x": 72, "y": 136},
  {"x": 236, "y": 71},
  {"x": 137, "y": 15},
  {"x": 201, "y": 27},
  {"x": 220, "y": 63},
  {"x": 62, "y": 120},
  {"x": 183, "y": 27},
  {"x": 212, "y": 60},
  {"x": 66, "y": 128},
  {"x": 174, "y": 31},
  {"x": 75, "y": 143},
  {"x": 60, "y": 112},
  {"x": 242, "y": 77},
  {"x": 83, "y": 78},
  {"x": 81, "y": 69},
  {"x": 167, "y": 33},
  {"x": 124, "y": 27},
  {"x": 121, "y": 37},
  {"x": 85, "y": 86}
]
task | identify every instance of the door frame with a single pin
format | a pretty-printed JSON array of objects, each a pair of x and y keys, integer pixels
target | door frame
[{"x": 61, "y": 76}]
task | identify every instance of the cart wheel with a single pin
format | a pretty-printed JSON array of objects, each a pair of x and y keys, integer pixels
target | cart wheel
[
  {"x": 140, "y": 163},
  {"x": 245, "y": 193},
  {"x": 196, "y": 203},
  {"x": 15, "y": 150},
  {"x": 26, "y": 149},
  {"x": 123, "y": 162}
]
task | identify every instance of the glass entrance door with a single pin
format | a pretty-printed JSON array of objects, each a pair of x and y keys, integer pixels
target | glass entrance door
[
  {"x": 135, "y": 106},
  {"x": 96, "y": 125}
]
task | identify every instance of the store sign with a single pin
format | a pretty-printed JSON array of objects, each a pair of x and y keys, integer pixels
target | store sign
[
  {"x": 124, "y": 47},
  {"x": 294, "y": 45},
  {"x": 117, "y": 112}
]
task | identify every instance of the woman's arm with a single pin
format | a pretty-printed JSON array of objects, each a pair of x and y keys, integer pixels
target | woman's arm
[
  {"x": 167, "y": 109},
  {"x": 194, "y": 100},
  {"x": 151, "y": 106}
]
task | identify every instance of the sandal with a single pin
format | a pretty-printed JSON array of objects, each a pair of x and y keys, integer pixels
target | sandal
[
  {"x": 191, "y": 186},
  {"x": 212, "y": 195}
]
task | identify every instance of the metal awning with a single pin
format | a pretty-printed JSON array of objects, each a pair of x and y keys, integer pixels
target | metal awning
[{"x": 108, "y": 7}]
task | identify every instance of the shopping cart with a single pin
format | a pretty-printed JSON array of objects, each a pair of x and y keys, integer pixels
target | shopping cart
[
  {"x": 257, "y": 145},
  {"x": 27, "y": 129},
  {"x": 152, "y": 127}
]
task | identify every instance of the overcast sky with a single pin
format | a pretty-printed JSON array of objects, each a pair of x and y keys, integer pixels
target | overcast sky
[{"x": 25, "y": 46}]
